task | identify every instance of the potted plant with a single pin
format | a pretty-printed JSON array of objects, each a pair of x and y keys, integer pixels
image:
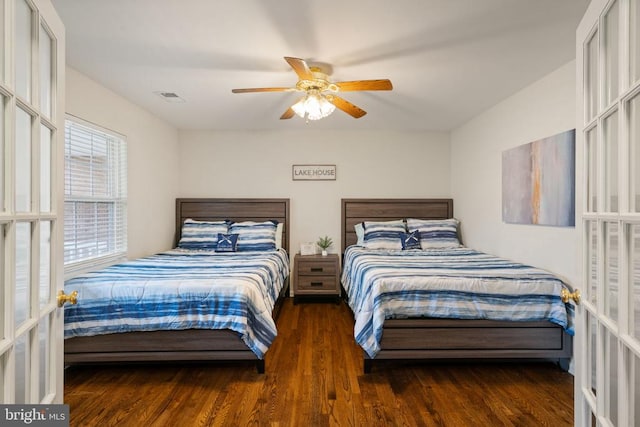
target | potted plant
[{"x": 324, "y": 243}]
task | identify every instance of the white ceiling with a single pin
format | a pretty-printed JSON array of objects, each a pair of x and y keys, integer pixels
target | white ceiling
[{"x": 448, "y": 60}]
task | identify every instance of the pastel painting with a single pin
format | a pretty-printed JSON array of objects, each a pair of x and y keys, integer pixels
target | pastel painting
[{"x": 538, "y": 182}]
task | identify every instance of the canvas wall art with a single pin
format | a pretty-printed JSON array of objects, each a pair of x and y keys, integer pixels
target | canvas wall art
[{"x": 538, "y": 182}]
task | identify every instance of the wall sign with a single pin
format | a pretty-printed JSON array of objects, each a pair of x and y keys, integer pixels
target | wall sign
[{"x": 314, "y": 172}]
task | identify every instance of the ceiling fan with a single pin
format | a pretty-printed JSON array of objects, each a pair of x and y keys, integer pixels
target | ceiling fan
[{"x": 320, "y": 95}]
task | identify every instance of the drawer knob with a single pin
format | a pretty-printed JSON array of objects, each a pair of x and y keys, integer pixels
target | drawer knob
[
  {"x": 316, "y": 283},
  {"x": 316, "y": 269}
]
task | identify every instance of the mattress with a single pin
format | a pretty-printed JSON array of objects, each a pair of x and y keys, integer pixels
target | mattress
[
  {"x": 181, "y": 289},
  {"x": 451, "y": 283}
]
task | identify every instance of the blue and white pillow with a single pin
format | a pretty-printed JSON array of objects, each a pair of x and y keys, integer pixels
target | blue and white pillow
[
  {"x": 227, "y": 242},
  {"x": 411, "y": 240},
  {"x": 384, "y": 234},
  {"x": 436, "y": 233},
  {"x": 255, "y": 236},
  {"x": 201, "y": 234}
]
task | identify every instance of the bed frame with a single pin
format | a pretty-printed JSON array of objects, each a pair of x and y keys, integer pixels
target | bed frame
[
  {"x": 430, "y": 338},
  {"x": 191, "y": 344}
]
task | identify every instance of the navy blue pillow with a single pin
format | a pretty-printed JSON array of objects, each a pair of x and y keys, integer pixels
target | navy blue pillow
[
  {"x": 409, "y": 240},
  {"x": 227, "y": 242}
]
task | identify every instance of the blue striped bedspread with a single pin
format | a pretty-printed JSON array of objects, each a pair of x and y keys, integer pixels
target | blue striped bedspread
[
  {"x": 181, "y": 289},
  {"x": 458, "y": 283}
]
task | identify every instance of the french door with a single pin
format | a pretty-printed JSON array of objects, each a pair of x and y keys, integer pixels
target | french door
[
  {"x": 607, "y": 350},
  {"x": 31, "y": 201}
]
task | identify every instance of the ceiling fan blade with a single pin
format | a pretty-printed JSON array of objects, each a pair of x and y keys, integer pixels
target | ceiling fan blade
[
  {"x": 288, "y": 114},
  {"x": 347, "y": 107},
  {"x": 380, "y": 84},
  {"x": 300, "y": 67},
  {"x": 262, "y": 89}
]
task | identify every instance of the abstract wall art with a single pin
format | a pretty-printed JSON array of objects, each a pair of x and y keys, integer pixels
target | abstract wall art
[{"x": 538, "y": 182}]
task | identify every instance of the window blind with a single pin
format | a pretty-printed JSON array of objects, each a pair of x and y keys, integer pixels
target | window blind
[{"x": 95, "y": 206}]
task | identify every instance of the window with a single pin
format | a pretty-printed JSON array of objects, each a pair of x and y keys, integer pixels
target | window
[{"x": 95, "y": 196}]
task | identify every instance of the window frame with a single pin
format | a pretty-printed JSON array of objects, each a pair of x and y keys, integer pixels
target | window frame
[{"x": 116, "y": 197}]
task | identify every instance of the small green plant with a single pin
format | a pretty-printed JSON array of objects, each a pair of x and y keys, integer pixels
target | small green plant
[{"x": 324, "y": 242}]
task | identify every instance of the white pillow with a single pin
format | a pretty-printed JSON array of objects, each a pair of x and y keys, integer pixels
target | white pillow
[
  {"x": 359, "y": 227},
  {"x": 279, "y": 230}
]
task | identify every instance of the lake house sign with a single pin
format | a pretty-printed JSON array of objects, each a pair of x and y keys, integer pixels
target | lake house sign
[{"x": 314, "y": 172}]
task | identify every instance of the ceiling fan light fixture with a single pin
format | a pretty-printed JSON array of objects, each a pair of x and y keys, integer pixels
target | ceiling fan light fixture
[{"x": 313, "y": 106}]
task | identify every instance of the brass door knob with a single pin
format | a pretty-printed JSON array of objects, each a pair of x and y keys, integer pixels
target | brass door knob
[
  {"x": 72, "y": 298},
  {"x": 566, "y": 296}
]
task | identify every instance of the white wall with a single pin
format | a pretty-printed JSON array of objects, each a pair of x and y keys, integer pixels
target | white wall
[
  {"x": 545, "y": 108},
  {"x": 152, "y": 147},
  {"x": 368, "y": 164}
]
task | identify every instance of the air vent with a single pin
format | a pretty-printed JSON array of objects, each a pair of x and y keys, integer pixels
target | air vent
[{"x": 169, "y": 96}]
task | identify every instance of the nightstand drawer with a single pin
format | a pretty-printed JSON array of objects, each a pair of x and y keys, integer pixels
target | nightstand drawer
[
  {"x": 320, "y": 283},
  {"x": 316, "y": 267}
]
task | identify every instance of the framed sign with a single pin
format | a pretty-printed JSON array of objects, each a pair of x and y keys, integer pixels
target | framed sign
[
  {"x": 308, "y": 248},
  {"x": 314, "y": 172}
]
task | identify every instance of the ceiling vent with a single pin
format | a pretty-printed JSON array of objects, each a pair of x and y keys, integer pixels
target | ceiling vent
[{"x": 169, "y": 96}]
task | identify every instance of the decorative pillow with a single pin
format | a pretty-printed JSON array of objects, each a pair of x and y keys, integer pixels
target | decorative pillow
[
  {"x": 383, "y": 234},
  {"x": 410, "y": 240},
  {"x": 359, "y": 227},
  {"x": 255, "y": 236},
  {"x": 436, "y": 233},
  {"x": 201, "y": 234},
  {"x": 227, "y": 242}
]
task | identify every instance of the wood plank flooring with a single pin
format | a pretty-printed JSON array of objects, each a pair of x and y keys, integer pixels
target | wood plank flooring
[{"x": 314, "y": 377}]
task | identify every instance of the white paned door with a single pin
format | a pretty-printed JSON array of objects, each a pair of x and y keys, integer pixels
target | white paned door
[
  {"x": 32, "y": 65},
  {"x": 607, "y": 344}
]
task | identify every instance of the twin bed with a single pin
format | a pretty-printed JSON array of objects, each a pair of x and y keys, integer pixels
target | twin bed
[{"x": 427, "y": 303}]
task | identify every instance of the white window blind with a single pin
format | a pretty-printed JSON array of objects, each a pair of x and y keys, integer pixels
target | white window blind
[{"x": 95, "y": 205}]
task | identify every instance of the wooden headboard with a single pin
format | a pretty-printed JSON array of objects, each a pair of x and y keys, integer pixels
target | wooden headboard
[
  {"x": 358, "y": 210},
  {"x": 235, "y": 210}
]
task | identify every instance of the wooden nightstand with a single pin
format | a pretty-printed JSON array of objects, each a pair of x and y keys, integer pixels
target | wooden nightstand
[{"x": 316, "y": 275}]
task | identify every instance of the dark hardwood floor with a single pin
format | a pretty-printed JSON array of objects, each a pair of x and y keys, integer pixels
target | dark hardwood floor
[{"x": 314, "y": 377}]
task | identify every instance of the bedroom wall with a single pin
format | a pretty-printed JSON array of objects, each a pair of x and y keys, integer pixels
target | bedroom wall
[
  {"x": 368, "y": 164},
  {"x": 544, "y": 108},
  {"x": 152, "y": 147}
]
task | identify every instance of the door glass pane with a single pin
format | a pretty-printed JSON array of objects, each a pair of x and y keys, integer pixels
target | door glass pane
[
  {"x": 2, "y": 108},
  {"x": 23, "y": 49},
  {"x": 45, "y": 358},
  {"x": 45, "y": 169},
  {"x": 21, "y": 353},
  {"x": 611, "y": 52},
  {"x": 611, "y": 153},
  {"x": 611, "y": 270},
  {"x": 634, "y": 33},
  {"x": 591, "y": 78},
  {"x": 634, "y": 155},
  {"x": 592, "y": 170},
  {"x": 591, "y": 351},
  {"x": 45, "y": 262},
  {"x": 23, "y": 161},
  {"x": 592, "y": 248},
  {"x": 23, "y": 263},
  {"x": 2, "y": 58},
  {"x": 635, "y": 384},
  {"x": 635, "y": 291},
  {"x": 45, "y": 72},
  {"x": 611, "y": 360},
  {"x": 3, "y": 230}
]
